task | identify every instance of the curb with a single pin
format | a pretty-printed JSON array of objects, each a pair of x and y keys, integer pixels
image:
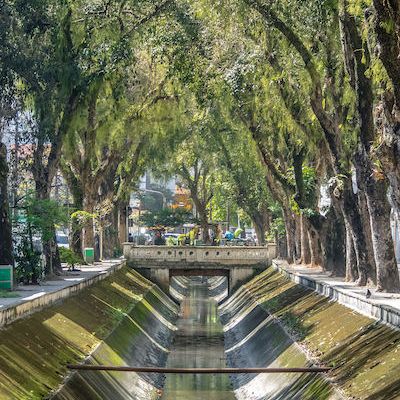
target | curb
[{"x": 383, "y": 313}]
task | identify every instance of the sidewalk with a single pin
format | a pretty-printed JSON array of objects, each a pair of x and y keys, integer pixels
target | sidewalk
[
  {"x": 381, "y": 306},
  {"x": 31, "y": 298}
]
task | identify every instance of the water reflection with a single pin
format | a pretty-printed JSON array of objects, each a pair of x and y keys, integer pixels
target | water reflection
[{"x": 198, "y": 343}]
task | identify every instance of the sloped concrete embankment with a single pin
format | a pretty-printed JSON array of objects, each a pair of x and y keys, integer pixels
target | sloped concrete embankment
[
  {"x": 178, "y": 288},
  {"x": 218, "y": 288},
  {"x": 123, "y": 320},
  {"x": 362, "y": 353},
  {"x": 253, "y": 338}
]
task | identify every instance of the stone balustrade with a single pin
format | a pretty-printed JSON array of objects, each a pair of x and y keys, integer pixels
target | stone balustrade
[
  {"x": 207, "y": 255},
  {"x": 160, "y": 263}
]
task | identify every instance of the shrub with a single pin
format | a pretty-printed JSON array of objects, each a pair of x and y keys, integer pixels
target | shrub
[
  {"x": 28, "y": 263},
  {"x": 70, "y": 258}
]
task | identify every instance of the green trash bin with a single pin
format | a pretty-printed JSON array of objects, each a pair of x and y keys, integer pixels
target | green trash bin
[
  {"x": 88, "y": 255},
  {"x": 6, "y": 277}
]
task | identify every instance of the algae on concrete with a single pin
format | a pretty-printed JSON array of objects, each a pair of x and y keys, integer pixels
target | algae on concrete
[
  {"x": 363, "y": 353},
  {"x": 34, "y": 351}
]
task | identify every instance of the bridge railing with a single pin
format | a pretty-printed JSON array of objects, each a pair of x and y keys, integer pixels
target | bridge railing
[{"x": 201, "y": 254}]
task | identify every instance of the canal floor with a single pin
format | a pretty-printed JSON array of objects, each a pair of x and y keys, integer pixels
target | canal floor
[{"x": 199, "y": 342}]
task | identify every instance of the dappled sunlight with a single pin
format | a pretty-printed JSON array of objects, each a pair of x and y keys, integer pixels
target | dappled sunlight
[
  {"x": 107, "y": 356},
  {"x": 364, "y": 353},
  {"x": 34, "y": 351},
  {"x": 142, "y": 299},
  {"x": 135, "y": 323},
  {"x": 34, "y": 296},
  {"x": 70, "y": 331},
  {"x": 139, "y": 279},
  {"x": 127, "y": 292}
]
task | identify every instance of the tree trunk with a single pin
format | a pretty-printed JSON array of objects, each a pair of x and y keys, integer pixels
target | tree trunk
[
  {"x": 373, "y": 182},
  {"x": 332, "y": 242},
  {"x": 76, "y": 236},
  {"x": 315, "y": 250},
  {"x": 50, "y": 248},
  {"x": 76, "y": 242},
  {"x": 377, "y": 218},
  {"x": 282, "y": 246},
  {"x": 89, "y": 233},
  {"x": 203, "y": 216},
  {"x": 290, "y": 235},
  {"x": 298, "y": 244},
  {"x": 365, "y": 220},
  {"x": 6, "y": 246},
  {"x": 204, "y": 227},
  {"x": 305, "y": 245},
  {"x": 351, "y": 260},
  {"x": 122, "y": 228},
  {"x": 354, "y": 223},
  {"x": 382, "y": 241},
  {"x": 111, "y": 245},
  {"x": 260, "y": 232},
  {"x": 260, "y": 221}
]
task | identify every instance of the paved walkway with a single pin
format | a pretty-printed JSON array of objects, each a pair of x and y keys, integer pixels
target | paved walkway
[
  {"x": 26, "y": 293},
  {"x": 338, "y": 284}
]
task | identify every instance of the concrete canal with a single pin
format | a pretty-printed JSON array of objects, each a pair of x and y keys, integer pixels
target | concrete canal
[
  {"x": 199, "y": 342},
  {"x": 270, "y": 321}
]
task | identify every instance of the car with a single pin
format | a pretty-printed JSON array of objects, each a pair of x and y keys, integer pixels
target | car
[
  {"x": 171, "y": 234},
  {"x": 62, "y": 240}
]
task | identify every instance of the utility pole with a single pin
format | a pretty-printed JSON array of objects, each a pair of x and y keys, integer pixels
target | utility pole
[{"x": 15, "y": 168}]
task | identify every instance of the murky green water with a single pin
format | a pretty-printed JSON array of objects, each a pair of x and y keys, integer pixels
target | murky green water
[{"x": 199, "y": 342}]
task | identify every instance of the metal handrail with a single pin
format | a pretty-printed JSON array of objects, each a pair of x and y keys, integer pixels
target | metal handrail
[{"x": 166, "y": 370}]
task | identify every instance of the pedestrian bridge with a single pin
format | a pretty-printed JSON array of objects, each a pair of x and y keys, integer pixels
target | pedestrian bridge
[{"x": 160, "y": 263}]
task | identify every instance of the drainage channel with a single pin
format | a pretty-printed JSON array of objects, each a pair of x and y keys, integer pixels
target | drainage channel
[
  {"x": 263, "y": 362},
  {"x": 199, "y": 343}
]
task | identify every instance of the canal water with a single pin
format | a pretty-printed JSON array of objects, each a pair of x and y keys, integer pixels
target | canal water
[{"x": 199, "y": 342}]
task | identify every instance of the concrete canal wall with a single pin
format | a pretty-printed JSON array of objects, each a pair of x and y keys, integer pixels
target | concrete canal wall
[
  {"x": 272, "y": 321},
  {"x": 122, "y": 319},
  {"x": 13, "y": 312},
  {"x": 125, "y": 319}
]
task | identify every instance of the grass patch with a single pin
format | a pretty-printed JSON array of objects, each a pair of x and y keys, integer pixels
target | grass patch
[{"x": 5, "y": 294}]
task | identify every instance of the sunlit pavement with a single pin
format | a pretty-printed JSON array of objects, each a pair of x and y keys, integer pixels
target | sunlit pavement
[
  {"x": 317, "y": 274},
  {"x": 26, "y": 293}
]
